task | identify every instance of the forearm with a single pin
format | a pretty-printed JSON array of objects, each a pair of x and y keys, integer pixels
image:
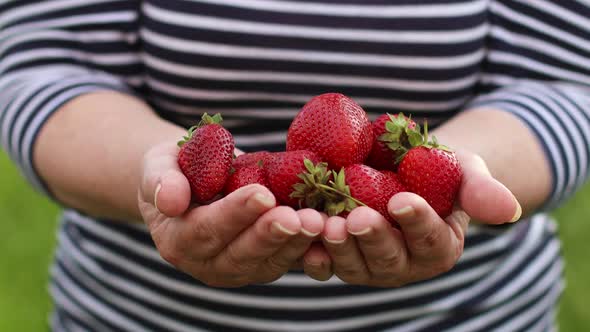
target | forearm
[
  {"x": 511, "y": 151},
  {"x": 89, "y": 152}
]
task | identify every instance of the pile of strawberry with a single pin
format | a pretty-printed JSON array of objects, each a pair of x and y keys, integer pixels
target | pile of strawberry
[{"x": 335, "y": 160}]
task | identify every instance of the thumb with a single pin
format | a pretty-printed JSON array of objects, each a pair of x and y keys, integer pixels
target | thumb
[
  {"x": 482, "y": 197},
  {"x": 163, "y": 185}
]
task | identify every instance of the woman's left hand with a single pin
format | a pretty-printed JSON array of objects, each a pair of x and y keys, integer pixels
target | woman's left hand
[{"x": 364, "y": 249}]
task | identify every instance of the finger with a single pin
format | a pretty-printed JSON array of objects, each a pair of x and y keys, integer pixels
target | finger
[
  {"x": 459, "y": 220},
  {"x": 382, "y": 245},
  {"x": 258, "y": 243},
  {"x": 347, "y": 261},
  {"x": 484, "y": 198},
  {"x": 427, "y": 236},
  {"x": 317, "y": 263},
  {"x": 163, "y": 184},
  {"x": 215, "y": 225},
  {"x": 312, "y": 224}
]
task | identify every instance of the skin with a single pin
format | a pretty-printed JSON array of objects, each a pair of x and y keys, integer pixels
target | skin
[
  {"x": 365, "y": 250},
  {"x": 243, "y": 238},
  {"x": 92, "y": 161}
]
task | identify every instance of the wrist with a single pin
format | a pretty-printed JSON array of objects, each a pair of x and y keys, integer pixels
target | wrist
[{"x": 89, "y": 152}]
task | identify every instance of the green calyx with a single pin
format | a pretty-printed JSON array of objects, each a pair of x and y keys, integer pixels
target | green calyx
[
  {"x": 323, "y": 190},
  {"x": 417, "y": 139},
  {"x": 338, "y": 196},
  {"x": 206, "y": 119},
  {"x": 309, "y": 192},
  {"x": 399, "y": 134}
]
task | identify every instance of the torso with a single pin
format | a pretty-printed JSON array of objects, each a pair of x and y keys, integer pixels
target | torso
[{"x": 257, "y": 62}]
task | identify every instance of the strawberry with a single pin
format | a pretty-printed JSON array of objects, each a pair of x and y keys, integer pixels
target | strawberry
[
  {"x": 362, "y": 185},
  {"x": 250, "y": 159},
  {"x": 390, "y": 133},
  {"x": 392, "y": 175},
  {"x": 432, "y": 171},
  {"x": 245, "y": 175},
  {"x": 333, "y": 126},
  {"x": 285, "y": 170},
  {"x": 205, "y": 158}
]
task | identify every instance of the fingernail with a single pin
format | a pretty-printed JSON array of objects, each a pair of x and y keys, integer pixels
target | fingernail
[
  {"x": 158, "y": 188},
  {"x": 334, "y": 241},
  {"x": 361, "y": 232},
  {"x": 406, "y": 211},
  {"x": 308, "y": 233},
  {"x": 264, "y": 200},
  {"x": 282, "y": 229},
  {"x": 518, "y": 212}
]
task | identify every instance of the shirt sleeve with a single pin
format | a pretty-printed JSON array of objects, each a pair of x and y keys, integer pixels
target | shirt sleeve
[
  {"x": 538, "y": 68},
  {"x": 54, "y": 51}
]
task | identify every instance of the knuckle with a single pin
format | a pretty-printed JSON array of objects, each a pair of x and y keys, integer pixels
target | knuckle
[
  {"x": 388, "y": 265},
  {"x": 428, "y": 242},
  {"x": 431, "y": 239},
  {"x": 459, "y": 221},
  {"x": 235, "y": 267},
  {"x": 205, "y": 235},
  {"x": 276, "y": 265},
  {"x": 340, "y": 254},
  {"x": 351, "y": 275}
]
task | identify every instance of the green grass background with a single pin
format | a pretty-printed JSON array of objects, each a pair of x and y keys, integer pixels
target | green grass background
[{"x": 27, "y": 230}]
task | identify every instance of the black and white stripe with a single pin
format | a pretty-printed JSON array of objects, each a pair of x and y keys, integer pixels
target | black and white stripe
[
  {"x": 91, "y": 253},
  {"x": 257, "y": 62}
]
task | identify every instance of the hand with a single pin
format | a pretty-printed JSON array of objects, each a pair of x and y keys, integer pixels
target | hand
[
  {"x": 364, "y": 249},
  {"x": 235, "y": 241}
]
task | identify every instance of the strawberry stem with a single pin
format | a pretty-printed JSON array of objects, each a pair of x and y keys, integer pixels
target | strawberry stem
[
  {"x": 325, "y": 187},
  {"x": 308, "y": 191}
]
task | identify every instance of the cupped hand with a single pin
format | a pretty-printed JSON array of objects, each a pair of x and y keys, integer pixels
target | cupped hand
[
  {"x": 364, "y": 249},
  {"x": 237, "y": 240}
]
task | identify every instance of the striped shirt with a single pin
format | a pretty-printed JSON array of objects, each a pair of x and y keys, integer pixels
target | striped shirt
[{"x": 257, "y": 62}]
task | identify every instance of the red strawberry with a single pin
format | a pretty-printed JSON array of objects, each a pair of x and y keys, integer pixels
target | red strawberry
[
  {"x": 433, "y": 172},
  {"x": 333, "y": 126},
  {"x": 205, "y": 158},
  {"x": 392, "y": 175},
  {"x": 362, "y": 184},
  {"x": 284, "y": 170},
  {"x": 250, "y": 159},
  {"x": 390, "y": 141},
  {"x": 245, "y": 175}
]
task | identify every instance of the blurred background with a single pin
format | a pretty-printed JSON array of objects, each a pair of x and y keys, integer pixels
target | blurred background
[{"x": 28, "y": 223}]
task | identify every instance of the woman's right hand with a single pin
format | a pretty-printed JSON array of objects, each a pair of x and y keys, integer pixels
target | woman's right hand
[{"x": 238, "y": 240}]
